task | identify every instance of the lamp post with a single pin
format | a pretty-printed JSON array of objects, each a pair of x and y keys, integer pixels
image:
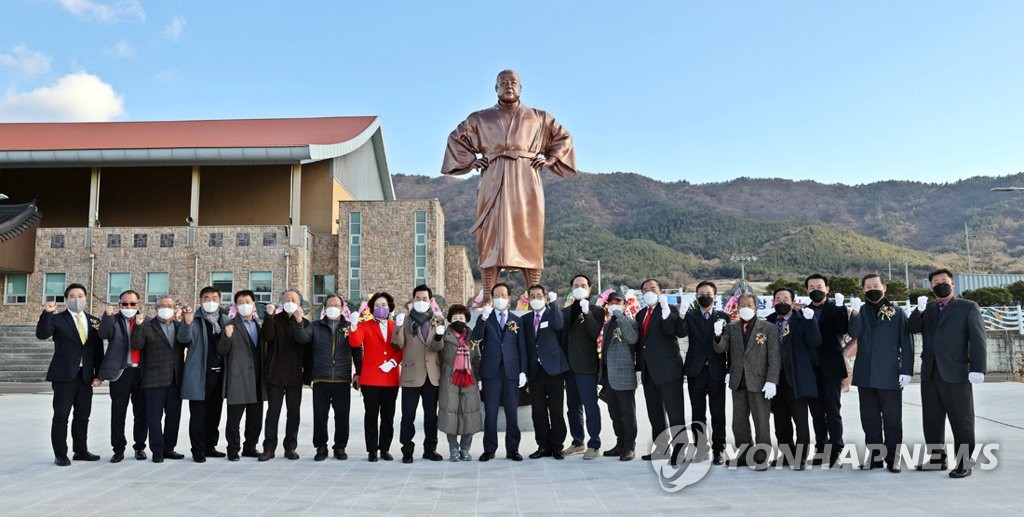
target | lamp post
[
  {"x": 598, "y": 263},
  {"x": 743, "y": 259}
]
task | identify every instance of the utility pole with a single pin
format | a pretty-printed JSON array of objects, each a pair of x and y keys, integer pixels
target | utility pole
[{"x": 967, "y": 242}]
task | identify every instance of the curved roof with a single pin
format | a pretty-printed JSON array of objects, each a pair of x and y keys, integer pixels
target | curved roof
[{"x": 15, "y": 219}]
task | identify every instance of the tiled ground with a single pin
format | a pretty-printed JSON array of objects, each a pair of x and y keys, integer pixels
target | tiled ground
[{"x": 31, "y": 485}]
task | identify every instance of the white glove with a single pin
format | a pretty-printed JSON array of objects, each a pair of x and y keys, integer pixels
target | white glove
[
  {"x": 727, "y": 379},
  {"x": 840, "y": 299},
  {"x": 439, "y": 330},
  {"x": 585, "y": 306},
  {"x": 922, "y": 302},
  {"x": 522, "y": 380},
  {"x": 769, "y": 390},
  {"x": 856, "y": 304},
  {"x": 719, "y": 325},
  {"x": 354, "y": 325},
  {"x": 976, "y": 377},
  {"x": 808, "y": 313},
  {"x": 399, "y": 319},
  {"x": 388, "y": 365},
  {"x": 480, "y": 385},
  {"x": 552, "y": 296},
  {"x": 904, "y": 380},
  {"x": 639, "y": 378},
  {"x": 487, "y": 312},
  {"x": 663, "y": 302}
]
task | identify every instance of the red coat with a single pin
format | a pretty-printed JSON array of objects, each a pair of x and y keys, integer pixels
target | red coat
[{"x": 376, "y": 349}]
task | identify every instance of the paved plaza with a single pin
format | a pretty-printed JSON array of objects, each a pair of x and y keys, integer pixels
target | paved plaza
[{"x": 31, "y": 485}]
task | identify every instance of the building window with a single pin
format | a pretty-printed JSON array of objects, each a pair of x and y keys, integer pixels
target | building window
[
  {"x": 216, "y": 240},
  {"x": 355, "y": 223},
  {"x": 420, "y": 255},
  {"x": 262, "y": 285},
  {"x": 242, "y": 239},
  {"x": 141, "y": 239},
  {"x": 323, "y": 285},
  {"x": 166, "y": 240},
  {"x": 224, "y": 281},
  {"x": 16, "y": 290},
  {"x": 113, "y": 240},
  {"x": 53, "y": 287},
  {"x": 270, "y": 238},
  {"x": 117, "y": 283},
  {"x": 57, "y": 242},
  {"x": 156, "y": 286}
]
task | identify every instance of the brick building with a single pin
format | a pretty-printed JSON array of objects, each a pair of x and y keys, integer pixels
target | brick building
[{"x": 170, "y": 207}]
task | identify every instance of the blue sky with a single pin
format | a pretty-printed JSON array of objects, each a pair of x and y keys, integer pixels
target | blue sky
[{"x": 838, "y": 92}]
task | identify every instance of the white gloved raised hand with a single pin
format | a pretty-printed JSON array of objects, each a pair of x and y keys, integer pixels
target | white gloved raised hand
[
  {"x": 487, "y": 312},
  {"x": 388, "y": 365},
  {"x": 663, "y": 302},
  {"x": 808, "y": 313},
  {"x": 856, "y": 304},
  {"x": 976, "y": 377},
  {"x": 522, "y": 380},
  {"x": 584, "y": 306},
  {"x": 719, "y": 325},
  {"x": 904, "y": 381},
  {"x": 552, "y": 296},
  {"x": 727, "y": 379},
  {"x": 480, "y": 385},
  {"x": 840, "y": 299},
  {"x": 639, "y": 378},
  {"x": 769, "y": 390},
  {"x": 399, "y": 319},
  {"x": 439, "y": 330},
  {"x": 922, "y": 302},
  {"x": 354, "y": 325}
]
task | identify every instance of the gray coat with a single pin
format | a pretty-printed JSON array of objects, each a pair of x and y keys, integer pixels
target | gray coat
[
  {"x": 755, "y": 357},
  {"x": 458, "y": 409},
  {"x": 243, "y": 382},
  {"x": 618, "y": 352},
  {"x": 193, "y": 385}
]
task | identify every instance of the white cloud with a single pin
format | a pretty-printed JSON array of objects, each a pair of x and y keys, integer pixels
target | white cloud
[
  {"x": 173, "y": 30},
  {"x": 28, "y": 63},
  {"x": 123, "y": 49},
  {"x": 77, "y": 97},
  {"x": 168, "y": 76},
  {"x": 109, "y": 12}
]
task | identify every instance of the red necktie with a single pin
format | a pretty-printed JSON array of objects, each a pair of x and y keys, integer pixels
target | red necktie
[{"x": 647, "y": 318}]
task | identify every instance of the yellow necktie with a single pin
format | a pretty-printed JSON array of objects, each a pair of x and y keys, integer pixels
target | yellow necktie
[{"x": 82, "y": 333}]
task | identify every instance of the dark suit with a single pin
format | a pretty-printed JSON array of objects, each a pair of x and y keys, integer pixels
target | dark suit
[
  {"x": 661, "y": 367},
  {"x": 954, "y": 345},
  {"x": 546, "y": 367},
  {"x": 705, "y": 370},
  {"x": 579, "y": 338},
  {"x": 502, "y": 359},
  {"x": 243, "y": 384},
  {"x": 797, "y": 384},
  {"x": 73, "y": 367},
  {"x": 826, "y": 417},
  {"x": 163, "y": 360},
  {"x": 125, "y": 382}
]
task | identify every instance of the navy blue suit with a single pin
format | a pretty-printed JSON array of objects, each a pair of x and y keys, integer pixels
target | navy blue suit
[
  {"x": 705, "y": 370},
  {"x": 798, "y": 383},
  {"x": 546, "y": 367},
  {"x": 502, "y": 359},
  {"x": 826, "y": 417}
]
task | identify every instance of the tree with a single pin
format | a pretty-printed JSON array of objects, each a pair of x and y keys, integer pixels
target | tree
[
  {"x": 913, "y": 294},
  {"x": 847, "y": 285},
  {"x": 782, "y": 282},
  {"x": 895, "y": 290},
  {"x": 989, "y": 296},
  {"x": 1017, "y": 290}
]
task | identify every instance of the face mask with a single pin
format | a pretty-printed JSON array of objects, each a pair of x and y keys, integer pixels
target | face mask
[
  {"x": 651, "y": 298},
  {"x": 211, "y": 307},
  {"x": 500, "y": 303},
  {"x": 76, "y": 305},
  {"x": 782, "y": 309},
  {"x": 421, "y": 306},
  {"x": 536, "y": 304},
  {"x": 333, "y": 312},
  {"x": 874, "y": 295},
  {"x": 245, "y": 309},
  {"x": 705, "y": 301},
  {"x": 381, "y": 312},
  {"x": 746, "y": 313},
  {"x": 817, "y": 296},
  {"x": 129, "y": 313},
  {"x": 165, "y": 313},
  {"x": 580, "y": 293},
  {"x": 459, "y": 326},
  {"x": 290, "y": 307},
  {"x": 615, "y": 309},
  {"x": 942, "y": 290}
]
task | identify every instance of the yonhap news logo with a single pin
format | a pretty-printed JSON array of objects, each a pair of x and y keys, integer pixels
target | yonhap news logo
[{"x": 677, "y": 463}]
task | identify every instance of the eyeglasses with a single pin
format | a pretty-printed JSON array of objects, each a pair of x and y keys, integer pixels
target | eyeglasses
[{"x": 129, "y": 304}]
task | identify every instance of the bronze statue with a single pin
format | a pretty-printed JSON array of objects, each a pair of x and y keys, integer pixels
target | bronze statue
[{"x": 509, "y": 144}]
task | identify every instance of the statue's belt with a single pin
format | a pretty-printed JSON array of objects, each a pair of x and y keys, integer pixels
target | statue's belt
[{"x": 511, "y": 154}]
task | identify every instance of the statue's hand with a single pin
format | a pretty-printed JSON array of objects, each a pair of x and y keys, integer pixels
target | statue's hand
[
  {"x": 479, "y": 164},
  {"x": 539, "y": 161}
]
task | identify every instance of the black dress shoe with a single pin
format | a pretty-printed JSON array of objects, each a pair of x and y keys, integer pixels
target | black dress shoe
[
  {"x": 199, "y": 458},
  {"x": 372, "y": 457},
  {"x": 872, "y": 465},
  {"x": 321, "y": 454},
  {"x": 292, "y": 455},
  {"x": 141, "y": 455},
  {"x": 214, "y": 453},
  {"x": 646, "y": 457},
  {"x": 386, "y": 456},
  {"x": 932, "y": 465},
  {"x": 717, "y": 458},
  {"x": 85, "y": 456},
  {"x": 173, "y": 455},
  {"x": 433, "y": 456},
  {"x": 627, "y": 455},
  {"x": 250, "y": 453},
  {"x": 959, "y": 473},
  {"x": 157, "y": 458},
  {"x": 817, "y": 461},
  {"x": 118, "y": 457},
  {"x": 514, "y": 456},
  {"x": 614, "y": 451},
  {"x": 232, "y": 456},
  {"x": 407, "y": 459},
  {"x": 62, "y": 461},
  {"x": 487, "y": 456},
  {"x": 895, "y": 468},
  {"x": 558, "y": 455},
  {"x": 340, "y": 454},
  {"x": 540, "y": 453},
  {"x": 266, "y": 456}
]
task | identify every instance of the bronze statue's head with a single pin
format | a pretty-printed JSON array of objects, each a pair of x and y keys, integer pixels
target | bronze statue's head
[{"x": 508, "y": 87}]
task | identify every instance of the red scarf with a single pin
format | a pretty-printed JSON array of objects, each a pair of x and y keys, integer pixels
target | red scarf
[{"x": 462, "y": 374}]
